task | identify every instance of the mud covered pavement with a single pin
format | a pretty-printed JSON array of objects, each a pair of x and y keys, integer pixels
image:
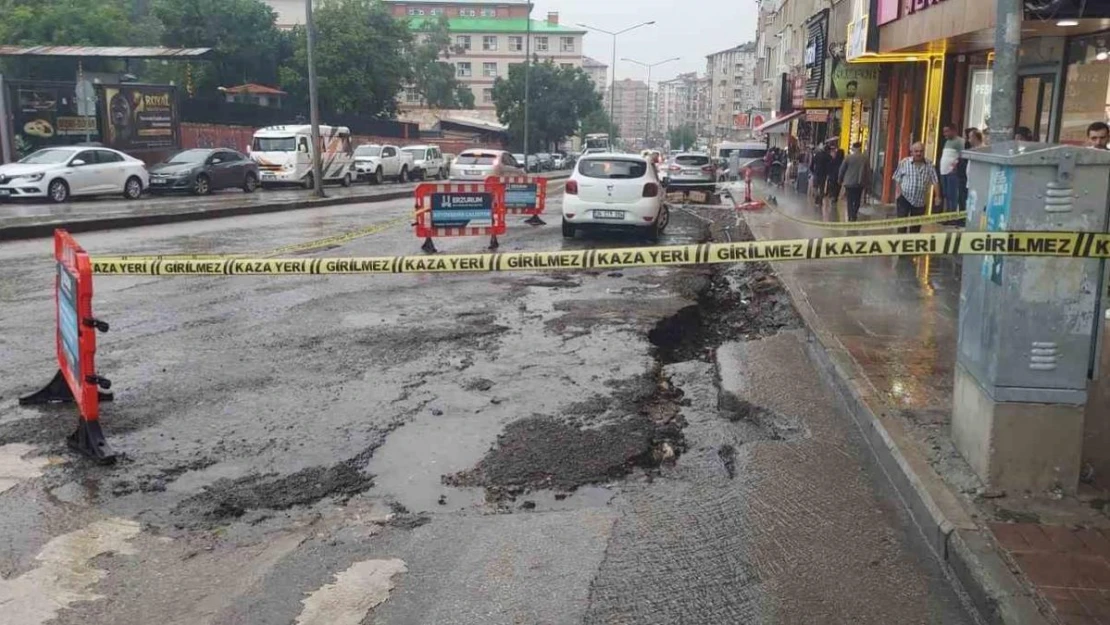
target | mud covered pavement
[{"x": 642, "y": 446}]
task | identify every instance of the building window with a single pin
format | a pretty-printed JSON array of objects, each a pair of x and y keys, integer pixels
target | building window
[
  {"x": 412, "y": 97},
  {"x": 468, "y": 13},
  {"x": 489, "y": 70},
  {"x": 435, "y": 11},
  {"x": 462, "y": 69},
  {"x": 489, "y": 42},
  {"x": 416, "y": 11},
  {"x": 516, "y": 44},
  {"x": 489, "y": 12},
  {"x": 541, "y": 44},
  {"x": 487, "y": 96},
  {"x": 463, "y": 41},
  {"x": 566, "y": 44},
  {"x": 566, "y": 65}
]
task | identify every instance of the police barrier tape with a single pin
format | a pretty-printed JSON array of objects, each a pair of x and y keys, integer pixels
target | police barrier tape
[
  {"x": 317, "y": 244},
  {"x": 1042, "y": 244},
  {"x": 873, "y": 224}
]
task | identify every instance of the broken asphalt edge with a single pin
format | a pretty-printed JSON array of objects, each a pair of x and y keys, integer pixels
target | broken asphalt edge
[
  {"x": 965, "y": 549},
  {"x": 46, "y": 229}
]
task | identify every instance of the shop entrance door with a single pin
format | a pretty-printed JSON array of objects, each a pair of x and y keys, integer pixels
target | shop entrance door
[{"x": 1035, "y": 104}]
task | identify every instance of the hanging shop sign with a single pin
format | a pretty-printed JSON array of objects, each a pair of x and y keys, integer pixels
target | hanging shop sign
[
  {"x": 913, "y": 6},
  {"x": 854, "y": 82},
  {"x": 887, "y": 11}
]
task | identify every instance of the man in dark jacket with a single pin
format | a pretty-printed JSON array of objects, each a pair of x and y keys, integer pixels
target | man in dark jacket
[
  {"x": 854, "y": 176},
  {"x": 819, "y": 169}
]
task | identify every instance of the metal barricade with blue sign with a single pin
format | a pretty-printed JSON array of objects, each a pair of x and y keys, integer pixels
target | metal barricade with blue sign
[
  {"x": 524, "y": 195},
  {"x": 75, "y": 344},
  {"x": 459, "y": 210}
]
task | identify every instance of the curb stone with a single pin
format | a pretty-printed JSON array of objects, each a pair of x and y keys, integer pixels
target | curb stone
[
  {"x": 44, "y": 230},
  {"x": 966, "y": 550}
]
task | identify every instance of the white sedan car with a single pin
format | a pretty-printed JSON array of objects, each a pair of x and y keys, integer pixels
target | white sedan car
[
  {"x": 63, "y": 172},
  {"x": 614, "y": 191}
]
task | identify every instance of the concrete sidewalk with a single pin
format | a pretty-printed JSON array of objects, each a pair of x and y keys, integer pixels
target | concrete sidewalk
[
  {"x": 884, "y": 331},
  {"x": 20, "y": 220}
]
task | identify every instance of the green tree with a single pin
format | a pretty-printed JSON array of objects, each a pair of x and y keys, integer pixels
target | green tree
[
  {"x": 598, "y": 122},
  {"x": 70, "y": 23},
  {"x": 561, "y": 98},
  {"x": 685, "y": 136},
  {"x": 247, "y": 45},
  {"x": 433, "y": 79},
  {"x": 360, "y": 58}
]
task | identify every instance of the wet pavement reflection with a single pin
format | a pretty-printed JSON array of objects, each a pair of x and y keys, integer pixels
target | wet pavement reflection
[{"x": 895, "y": 316}]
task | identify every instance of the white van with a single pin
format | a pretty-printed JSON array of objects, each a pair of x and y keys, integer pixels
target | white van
[
  {"x": 751, "y": 154},
  {"x": 284, "y": 155}
]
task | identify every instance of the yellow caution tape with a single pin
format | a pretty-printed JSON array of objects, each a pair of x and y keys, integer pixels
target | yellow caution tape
[
  {"x": 873, "y": 224},
  {"x": 331, "y": 241},
  {"x": 1041, "y": 244}
]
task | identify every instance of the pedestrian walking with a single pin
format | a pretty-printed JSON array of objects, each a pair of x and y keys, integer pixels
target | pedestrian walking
[
  {"x": 915, "y": 177},
  {"x": 855, "y": 177},
  {"x": 949, "y": 168},
  {"x": 833, "y": 190},
  {"x": 1098, "y": 135},
  {"x": 819, "y": 167}
]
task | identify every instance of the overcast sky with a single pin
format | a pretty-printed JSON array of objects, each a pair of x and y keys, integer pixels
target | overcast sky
[{"x": 689, "y": 29}]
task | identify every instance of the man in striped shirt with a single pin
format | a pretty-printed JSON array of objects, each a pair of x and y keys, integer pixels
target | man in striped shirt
[{"x": 915, "y": 176}]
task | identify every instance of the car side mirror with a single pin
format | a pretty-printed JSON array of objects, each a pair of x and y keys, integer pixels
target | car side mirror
[{"x": 76, "y": 162}]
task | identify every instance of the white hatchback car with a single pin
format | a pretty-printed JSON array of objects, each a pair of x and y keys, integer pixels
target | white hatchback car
[
  {"x": 479, "y": 164},
  {"x": 614, "y": 191},
  {"x": 63, "y": 172}
]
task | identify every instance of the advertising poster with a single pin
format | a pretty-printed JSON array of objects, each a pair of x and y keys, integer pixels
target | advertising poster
[
  {"x": 462, "y": 210},
  {"x": 67, "y": 321},
  {"x": 139, "y": 117},
  {"x": 855, "y": 82},
  {"x": 46, "y": 115}
]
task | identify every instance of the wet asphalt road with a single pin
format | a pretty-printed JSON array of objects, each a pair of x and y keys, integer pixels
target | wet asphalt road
[{"x": 448, "y": 449}]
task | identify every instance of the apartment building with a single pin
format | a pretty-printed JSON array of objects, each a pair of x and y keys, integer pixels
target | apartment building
[
  {"x": 490, "y": 36},
  {"x": 630, "y": 110},
  {"x": 598, "y": 73},
  {"x": 681, "y": 102},
  {"x": 732, "y": 88},
  {"x": 290, "y": 13}
]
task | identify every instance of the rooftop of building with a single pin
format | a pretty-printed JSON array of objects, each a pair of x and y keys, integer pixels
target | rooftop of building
[
  {"x": 497, "y": 25},
  {"x": 744, "y": 47},
  {"x": 589, "y": 62}
]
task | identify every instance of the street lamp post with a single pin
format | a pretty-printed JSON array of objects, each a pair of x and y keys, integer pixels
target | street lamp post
[
  {"x": 613, "y": 68},
  {"x": 313, "y": 103},
  {"x": 649, "y": 66}
]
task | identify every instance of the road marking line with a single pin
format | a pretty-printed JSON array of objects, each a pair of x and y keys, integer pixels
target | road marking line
[
  {"x": 352, "y": 595},
  {"x": 65, "y": 575}
]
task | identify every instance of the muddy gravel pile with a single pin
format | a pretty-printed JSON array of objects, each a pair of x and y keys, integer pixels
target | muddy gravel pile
[{"x": 541, "y": 452}]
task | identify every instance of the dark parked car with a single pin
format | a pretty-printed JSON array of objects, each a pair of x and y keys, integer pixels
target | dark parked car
[{"x": 202, "y": 171}]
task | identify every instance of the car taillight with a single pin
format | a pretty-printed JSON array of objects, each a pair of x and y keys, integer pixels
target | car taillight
[
  {"x": 572, "y": 187},
  {"x": 651, "y": 189},
  {"x": 708, "y": 169}
]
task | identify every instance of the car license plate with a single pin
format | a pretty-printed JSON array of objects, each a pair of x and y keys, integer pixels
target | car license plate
[
  {"x": 268, "y": 176},
  {"x": 5, "y": 192},
  {"x": 473, "y": 172},
  {"x": 689, "y": 172},
  {"x": 158, "y": 181},
  {"x": 608, "y": 214}
]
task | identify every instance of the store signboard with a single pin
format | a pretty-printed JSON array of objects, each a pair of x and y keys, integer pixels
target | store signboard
[
  {"x": 857, "y": 39},
  {"x": 887, "y": 11}
]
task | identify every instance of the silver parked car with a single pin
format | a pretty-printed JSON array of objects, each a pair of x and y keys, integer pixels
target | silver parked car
[
  {"x": 690, "y": 171},
  {"x": 479, "y": 164}
]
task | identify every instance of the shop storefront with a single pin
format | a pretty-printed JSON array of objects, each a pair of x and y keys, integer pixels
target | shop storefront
[{"x": 1086, "y": 93}]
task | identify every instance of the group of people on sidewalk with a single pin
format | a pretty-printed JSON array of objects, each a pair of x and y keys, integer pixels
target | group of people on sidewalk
[{"x": 831, "y": 172}]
